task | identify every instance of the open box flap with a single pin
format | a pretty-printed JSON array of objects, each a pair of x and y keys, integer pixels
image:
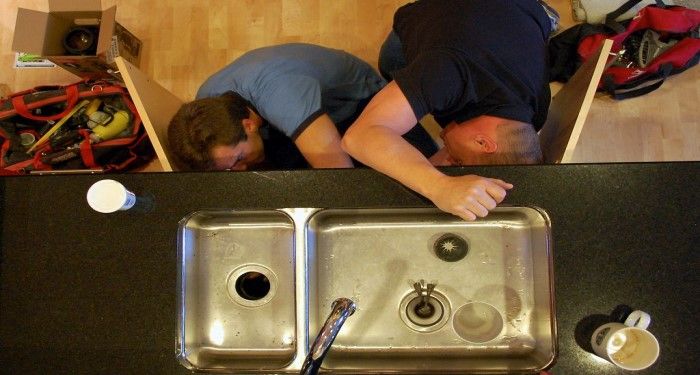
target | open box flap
[
  {"x": 30, "y": 31},
  {"x": 75, "y": 5},
  {"x": 104, "y": 41}
]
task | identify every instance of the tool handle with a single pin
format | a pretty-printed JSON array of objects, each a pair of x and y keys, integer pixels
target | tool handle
[
  {"x": 22, "y": 109},
  {"x": 58, "y": 125}
]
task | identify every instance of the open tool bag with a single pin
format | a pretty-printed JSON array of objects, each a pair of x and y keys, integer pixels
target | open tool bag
[
  {"x": 86, "y": 126},
  {"x": 657, "y": 42}
]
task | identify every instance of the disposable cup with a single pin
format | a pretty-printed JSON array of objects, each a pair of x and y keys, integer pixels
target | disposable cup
[{"x": 107, "y": 196}]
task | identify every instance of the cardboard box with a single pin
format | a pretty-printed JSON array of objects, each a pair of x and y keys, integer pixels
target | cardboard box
[{"x": 43, "y": 33}]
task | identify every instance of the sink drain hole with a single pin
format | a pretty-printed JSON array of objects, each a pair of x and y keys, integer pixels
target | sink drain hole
[
  {"x": 450, "y": 247},
  {"x": 423, "y": 314},
  {"x": 424, "y": 310},
  {"x": 252, "y": 286}
]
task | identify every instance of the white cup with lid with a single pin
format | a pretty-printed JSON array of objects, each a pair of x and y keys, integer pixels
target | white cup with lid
[{"x": 107, "y": 196}]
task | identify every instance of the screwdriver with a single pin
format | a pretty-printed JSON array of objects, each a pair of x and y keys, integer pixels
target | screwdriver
[{"x": 58, "y": 125}]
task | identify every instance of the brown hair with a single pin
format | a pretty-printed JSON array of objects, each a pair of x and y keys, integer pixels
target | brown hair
[{"x": 200, "y": 125}]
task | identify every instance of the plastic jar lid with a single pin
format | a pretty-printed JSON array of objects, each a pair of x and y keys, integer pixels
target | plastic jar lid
[{"x": 108, "y": 196}]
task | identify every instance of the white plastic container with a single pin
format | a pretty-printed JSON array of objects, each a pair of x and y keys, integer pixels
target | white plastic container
[{"x": 107, "y": 196}]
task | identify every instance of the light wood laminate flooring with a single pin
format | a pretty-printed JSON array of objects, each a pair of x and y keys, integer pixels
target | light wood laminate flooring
[{"x": 187, "y": 40}]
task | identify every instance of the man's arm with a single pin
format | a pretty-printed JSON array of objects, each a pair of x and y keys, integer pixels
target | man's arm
[
  {"x": 320, "y": 145},
  {"x": 375, "y": 140}
]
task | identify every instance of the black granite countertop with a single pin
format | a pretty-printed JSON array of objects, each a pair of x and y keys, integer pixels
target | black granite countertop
[{"x": 83, "y": 292}]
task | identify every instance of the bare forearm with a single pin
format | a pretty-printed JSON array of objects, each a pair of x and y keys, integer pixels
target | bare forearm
[
  {"x": 375, "y": 140},
  {"x": 387, "y": 152},
  {"x": 467, "y": 196},
  {"x": 320, "y": 145},
  {"x": 330, "y": 160}
]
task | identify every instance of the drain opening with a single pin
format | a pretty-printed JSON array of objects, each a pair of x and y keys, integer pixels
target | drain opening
[
  {"x": 424, "y": 316},
  {"x": 252, "y": 286},
  {"x": 425, "y": 313},
  {"x": 450, "y": 247},
  {"x": 424, "y": 310}
]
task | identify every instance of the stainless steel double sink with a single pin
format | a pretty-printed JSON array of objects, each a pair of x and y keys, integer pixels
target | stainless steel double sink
[{"x": 434, "y": 294}]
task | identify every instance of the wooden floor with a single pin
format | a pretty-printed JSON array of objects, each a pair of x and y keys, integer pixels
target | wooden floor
[{"x": 187, "y": 40}]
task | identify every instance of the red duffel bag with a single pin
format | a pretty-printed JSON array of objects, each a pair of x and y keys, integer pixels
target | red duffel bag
[
  {"x": 88, "y": 125},
  {"x": 658, "y": 42}
]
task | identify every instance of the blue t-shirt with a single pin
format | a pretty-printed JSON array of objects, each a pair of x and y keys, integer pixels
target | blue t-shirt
[{"x": 291, "y": 85}]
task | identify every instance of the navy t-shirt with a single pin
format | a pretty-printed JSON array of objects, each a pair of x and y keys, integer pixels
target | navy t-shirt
[{"x": 468, "y": 58}]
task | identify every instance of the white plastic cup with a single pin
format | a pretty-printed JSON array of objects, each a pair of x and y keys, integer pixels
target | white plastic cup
[
  {"x": 107, "y": 196},
  {"x": 628, "y": 346}
]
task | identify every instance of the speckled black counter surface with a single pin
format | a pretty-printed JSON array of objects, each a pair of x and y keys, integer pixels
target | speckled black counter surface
[{"x": 82, "y": 292}]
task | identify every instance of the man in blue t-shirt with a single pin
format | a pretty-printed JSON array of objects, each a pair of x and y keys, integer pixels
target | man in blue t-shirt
[
  {"x": 283, "y": 106},
  {"x": 479, "y": 67}
]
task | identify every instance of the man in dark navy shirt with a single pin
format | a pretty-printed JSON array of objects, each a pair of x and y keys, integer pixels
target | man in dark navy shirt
[{"x": 479, "y": 67}]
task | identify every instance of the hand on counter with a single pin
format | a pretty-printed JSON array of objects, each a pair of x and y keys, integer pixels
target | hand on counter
[{"x": 468, "y": 196}]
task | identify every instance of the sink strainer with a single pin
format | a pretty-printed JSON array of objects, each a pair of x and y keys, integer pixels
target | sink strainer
[
  {"x": 251, "y": 285},
  {"x": 425, "y": 317},
  {"x": 450, "y": 247}
]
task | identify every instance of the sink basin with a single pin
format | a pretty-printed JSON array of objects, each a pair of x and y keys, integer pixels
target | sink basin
[
  {"x": 492, "y": 303},
  {"x": 434, "y": 294},
  {"x": 236, "y": 289}
]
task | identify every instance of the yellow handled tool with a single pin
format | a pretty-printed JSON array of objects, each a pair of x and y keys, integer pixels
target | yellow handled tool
[
  {"x": 118, "y": 124},
  {"x": 93, "y": 106},
  {"x": 58, "y": 125}
]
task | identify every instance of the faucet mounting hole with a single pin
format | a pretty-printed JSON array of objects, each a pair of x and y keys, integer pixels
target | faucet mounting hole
[{"x": 252, "y": 286}]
